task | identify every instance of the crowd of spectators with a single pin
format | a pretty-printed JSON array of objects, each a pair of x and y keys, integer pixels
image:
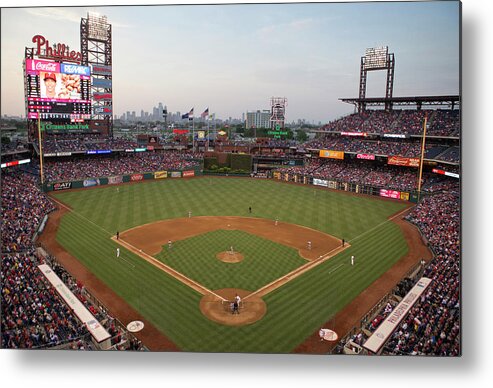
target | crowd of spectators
[
  {"x": 23, "y": 209},
  {"x": 84, "y": 142},
  {"x": 451, "y": 155},
  {"x": 33, "y": 315},
  {"x": 410, "y": 122},
  {"x": 433, "y": 325},
  {"x": 103, "y": 166},
  {"x": 380, "y": 122},
  {"x": 403, "y": 148},
  {"x": 366, "y": 173},
  {"x": 13, "y": 146},
  {"x": 445, "y": 123}
]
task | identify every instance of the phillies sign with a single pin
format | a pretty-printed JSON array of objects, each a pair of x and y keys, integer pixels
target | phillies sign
[{"x": 58, "y": 51}]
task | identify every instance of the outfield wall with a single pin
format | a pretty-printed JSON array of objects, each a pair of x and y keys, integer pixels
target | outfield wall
[
  {"x": 411, "y": 196},
  {"x": 277, "y": 175},
  {"x": 117, "y": 179}
]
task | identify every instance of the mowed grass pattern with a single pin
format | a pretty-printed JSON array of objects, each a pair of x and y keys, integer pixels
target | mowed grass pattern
[
  {"x": 294, "y": 311},
  {"x": 264, "y": 261}
]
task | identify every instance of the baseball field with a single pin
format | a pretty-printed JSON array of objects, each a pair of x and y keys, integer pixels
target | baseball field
[{"x": 187, "y": 246}]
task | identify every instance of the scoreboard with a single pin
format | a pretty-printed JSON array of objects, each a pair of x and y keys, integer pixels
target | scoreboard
[
  {"x": 57, "y": 91},
  {"x": 73, "y": 111}
]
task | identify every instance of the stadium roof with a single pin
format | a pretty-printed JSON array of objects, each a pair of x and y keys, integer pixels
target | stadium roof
[{"x": 451, "y": 100}]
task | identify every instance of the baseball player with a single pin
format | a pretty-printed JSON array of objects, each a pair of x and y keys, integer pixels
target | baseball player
[
  {"x": 117, "y": 252},
  {"x": 352, "y": 260}
]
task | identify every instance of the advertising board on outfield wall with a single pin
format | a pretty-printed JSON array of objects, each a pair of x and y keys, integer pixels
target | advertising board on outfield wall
[
  {"x": 160, "y": 174},
  {"x": 91, "y": 182},
  {"x": 404, "y": 196},
  {"x": 114, "y": 180},
  {"x": 175, "y": 174},
  {"x": 188, "y": 173},
  {"x": 136, "y": 177},
  {"x": 331, "y": 154},
  {"x": 62, "y": 186},
  {"x": 320, "y": 182},
  {"x": 390, "y": 194}
]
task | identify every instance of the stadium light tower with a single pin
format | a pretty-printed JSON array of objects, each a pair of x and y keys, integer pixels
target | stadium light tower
[
  {"x": 278, "y": 110},
  {"x": 96, "y": 48},
  {"x": 377, "y": 58}
]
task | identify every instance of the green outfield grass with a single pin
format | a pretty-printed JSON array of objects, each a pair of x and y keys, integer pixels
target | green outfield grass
[{"x": 294, "y": 311}]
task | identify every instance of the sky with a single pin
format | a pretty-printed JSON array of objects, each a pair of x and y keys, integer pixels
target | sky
[{"x": 234, "y": 58}]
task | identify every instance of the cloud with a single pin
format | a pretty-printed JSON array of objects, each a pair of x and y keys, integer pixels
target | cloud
[
  {"x": 55, "y": 13},
  {"x": 67, "y": 15}
]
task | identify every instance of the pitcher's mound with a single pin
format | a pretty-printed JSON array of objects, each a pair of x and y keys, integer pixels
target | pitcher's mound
[
  {"x": 229, "y": 257},
  {"x": 251, "y": 309}
]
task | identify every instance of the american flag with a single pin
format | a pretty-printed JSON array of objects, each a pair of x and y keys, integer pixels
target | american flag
[
  {"x": 205, "y": 113},
  {"x": 188, "y": 115}
]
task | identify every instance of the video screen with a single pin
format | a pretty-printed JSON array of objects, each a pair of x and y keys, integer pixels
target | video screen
[
  {"x": 60, "y": 86},
  {"x": 53, "y": 81}
]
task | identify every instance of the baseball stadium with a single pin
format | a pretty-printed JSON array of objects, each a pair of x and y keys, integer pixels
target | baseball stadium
[{"x": 191, "y": 239}]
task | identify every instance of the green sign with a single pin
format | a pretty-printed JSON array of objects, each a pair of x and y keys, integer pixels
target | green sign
[
  {"x": 277, "y": 133},
  {"x": 64, "y": 127}
]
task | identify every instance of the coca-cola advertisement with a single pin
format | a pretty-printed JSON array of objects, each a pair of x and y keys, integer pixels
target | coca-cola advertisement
[{"x": 136, "y": 177}]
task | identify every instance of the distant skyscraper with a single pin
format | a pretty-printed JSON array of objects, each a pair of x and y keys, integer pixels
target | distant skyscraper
[
  {"x": 160, "y": 110},
  {"x": 258, "y": 119}
]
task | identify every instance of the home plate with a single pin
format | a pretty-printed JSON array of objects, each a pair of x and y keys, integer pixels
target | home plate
[
  {"x": 135, "y": 326},
  {"x": 327, "y": 334}
]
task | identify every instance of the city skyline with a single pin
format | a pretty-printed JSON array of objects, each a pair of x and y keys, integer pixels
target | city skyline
[{"x": 234, "y": 58}]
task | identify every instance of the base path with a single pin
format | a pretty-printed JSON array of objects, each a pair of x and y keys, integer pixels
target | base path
[{"x": 152, "y": 237}]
